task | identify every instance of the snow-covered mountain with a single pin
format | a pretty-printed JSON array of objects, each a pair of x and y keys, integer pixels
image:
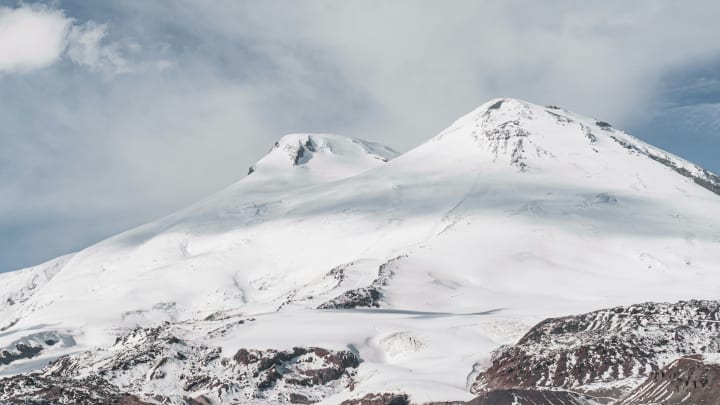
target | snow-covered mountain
[{"x": 418, "y": 265}]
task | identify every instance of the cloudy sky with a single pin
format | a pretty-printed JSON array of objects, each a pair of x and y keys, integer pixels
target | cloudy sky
[{"x": 115, "y": 112}]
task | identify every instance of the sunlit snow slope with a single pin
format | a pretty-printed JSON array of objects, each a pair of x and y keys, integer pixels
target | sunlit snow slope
[{"x": 514, "y": 213}]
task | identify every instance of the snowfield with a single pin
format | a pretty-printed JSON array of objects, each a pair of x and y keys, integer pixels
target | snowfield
[{"x": 421, "y": 264}]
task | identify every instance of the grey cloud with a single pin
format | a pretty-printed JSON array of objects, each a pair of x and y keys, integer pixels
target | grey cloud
[
  {"x": 35, "y": 36},
  {"x": 208, "y": 86}
]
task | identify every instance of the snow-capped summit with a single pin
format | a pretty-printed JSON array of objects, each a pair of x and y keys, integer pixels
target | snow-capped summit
[
  {"x": 322, "y": 155},
  {"x": 536, "y": 138},
  {"x": 514, "y": 213}
]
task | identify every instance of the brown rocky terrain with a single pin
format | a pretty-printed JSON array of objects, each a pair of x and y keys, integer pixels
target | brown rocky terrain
[
  {"x": 652, "y": 353},
  {"x": 496, "y": 397},
  {"x": 142, "y": 361},
  {"x": 605, "y": 354},
  {"x": 687, "y": 380}
]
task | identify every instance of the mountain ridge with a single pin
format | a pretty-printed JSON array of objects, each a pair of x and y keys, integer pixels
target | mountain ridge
[
  {"x": 297, "y": 150},
  {"x": 513, "y": 214}
]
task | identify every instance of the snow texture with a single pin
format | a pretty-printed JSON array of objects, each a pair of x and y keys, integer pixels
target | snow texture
[{"x": 513, "y": 214}]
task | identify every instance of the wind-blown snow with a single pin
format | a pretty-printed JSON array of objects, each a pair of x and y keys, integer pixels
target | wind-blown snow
[
  {"x": 514, "y": 213},
  {"x": 17, "y": 287}
]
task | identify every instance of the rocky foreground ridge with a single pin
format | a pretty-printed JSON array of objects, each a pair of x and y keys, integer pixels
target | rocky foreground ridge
[
  {"x": 651, "y": 353},
  {"x": 655, "y": 353},
  {"x": 146, "y": 364}
]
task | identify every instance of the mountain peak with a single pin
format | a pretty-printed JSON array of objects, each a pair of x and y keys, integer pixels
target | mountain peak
[
  {"x": 504, "y": 104},
  {"x": 497, "y": 103},
  {"x": 516, "y": 213},
  {"x": 521, "y": 134},
  {"x": 322, "y": 154},
  {"x": 534, "y": 138}
]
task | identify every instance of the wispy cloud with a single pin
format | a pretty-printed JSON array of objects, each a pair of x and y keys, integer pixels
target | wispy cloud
[
  {"x": 37, "y": 36},
  {"x": 86, "y": 48},
  {"x": 127, "y": 109}
]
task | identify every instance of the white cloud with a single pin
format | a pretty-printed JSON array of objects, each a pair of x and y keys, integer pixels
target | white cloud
[
  {"x": 34, "y": 37},
  {"x": 86, "y": 48},
  {"x": 31, "y": 37},
  {"x": 215, "y": 83},
  {"x": 423, "y": 64}
]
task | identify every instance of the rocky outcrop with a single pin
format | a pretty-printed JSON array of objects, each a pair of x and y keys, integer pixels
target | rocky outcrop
[
  {"x": 21, "y": 351},
  {"x": 157, "y": 365},
  {"x": 37, "y": 389},
  {"x": 269, "y": 367},
  {"x": 688, "y": 380},
  {"x": 497, "y": 397},
  {"x": 365, "y": 297},
  {"x": 605, "y": 353},
  {"x": 301, "y": 148},
  {"x": 379, "y": 399},
  {"x": 529, "y": 397},
  {"x": 33, "y": 345}
]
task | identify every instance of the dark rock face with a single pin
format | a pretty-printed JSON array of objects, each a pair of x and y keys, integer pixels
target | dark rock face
[
  {"x": 497, "y": 397},
  {"x": 688, "y": 380},
  {"x": 604, "y": 353},
  {"x": 530, "y": 397},
  {"x": 496, "y": 106},
  {"x": 603, "y": 125},
  {"x": 271, "y": 366},
  {"x": 33, "y": 345},
  {"x": 45, "y": 390},
  {"x": 9, "y": 324},
  {"x": 300, "y": 399},
  {"x": 299, "y": 154},
  {"x": 379, "y": 399},
  {"x": 304, "y": 151},
  {"x": 22, "y": 351},
  {"x": 191, "y": 373},
  {"x": 365, "y": 297}
]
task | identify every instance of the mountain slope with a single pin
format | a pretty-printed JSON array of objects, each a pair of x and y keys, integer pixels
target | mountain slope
[
  {"x": 515, "y": 213},
  {"x": 19, "y": 286}
]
